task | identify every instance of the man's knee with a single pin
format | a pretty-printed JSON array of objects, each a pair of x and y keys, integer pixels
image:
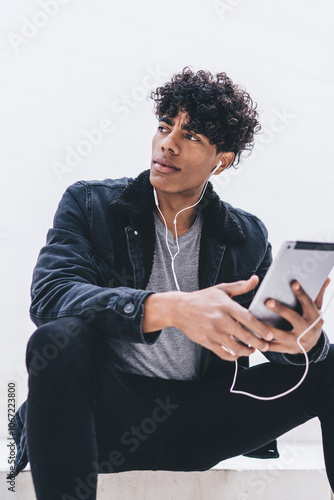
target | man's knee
[{"x": 54, "y": 341}]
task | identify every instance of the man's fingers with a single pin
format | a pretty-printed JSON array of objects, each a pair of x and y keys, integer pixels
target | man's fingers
[
  {"x": 249, "y": 338},
  {"x": 237, "y": 348},
  {"x": 223, "y": 353},
  {"x": 246, "y": 318},
  {"x": 304, "y": 298},
  {"x": 239, "y": 287},
  {"x": 320, "y": 297},
  {"x": 241, "y": 314},
  {"x": 285, "y": 347},
  {"x": 289, "y": 314},
  {"x": 230, "y": 350},
  {"x": 284, "y": 342}
]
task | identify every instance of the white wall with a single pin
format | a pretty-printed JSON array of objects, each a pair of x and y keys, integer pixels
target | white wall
[{"x": 72, "y": 72}]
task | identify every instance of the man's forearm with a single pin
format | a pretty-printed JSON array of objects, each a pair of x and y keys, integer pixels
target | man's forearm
[{"x": 160, "y": 310}]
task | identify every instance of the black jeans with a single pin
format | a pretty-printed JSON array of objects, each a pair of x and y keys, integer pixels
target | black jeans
[{"x": 84, "y": 418}]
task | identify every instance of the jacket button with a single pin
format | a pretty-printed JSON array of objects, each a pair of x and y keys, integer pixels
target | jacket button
[
  {"x": 129, "y": 308},
  {"x": 135, "y": 232}
]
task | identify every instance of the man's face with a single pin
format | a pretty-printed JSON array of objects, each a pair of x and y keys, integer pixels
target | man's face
[{"x": 181, "y": 160}]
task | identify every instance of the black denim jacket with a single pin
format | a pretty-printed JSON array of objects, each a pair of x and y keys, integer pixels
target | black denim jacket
[{"x": 98, "y": 258}]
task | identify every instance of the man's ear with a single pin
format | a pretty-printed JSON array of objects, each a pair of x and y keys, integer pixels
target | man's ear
[{"x": 226, "y": 159}]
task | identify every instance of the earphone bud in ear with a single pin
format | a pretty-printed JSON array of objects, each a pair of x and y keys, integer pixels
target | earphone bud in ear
[{"x": 216, "y": 168}]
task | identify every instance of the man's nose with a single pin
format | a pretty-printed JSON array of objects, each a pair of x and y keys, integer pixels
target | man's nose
[{"x": 170, "y": 144}]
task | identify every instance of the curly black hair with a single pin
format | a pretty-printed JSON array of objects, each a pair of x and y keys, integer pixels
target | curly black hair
[{"x": 221, "y": 110}]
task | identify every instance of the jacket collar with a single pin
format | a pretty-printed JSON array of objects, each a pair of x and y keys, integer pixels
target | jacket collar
[{"x": 136, "y": 202}]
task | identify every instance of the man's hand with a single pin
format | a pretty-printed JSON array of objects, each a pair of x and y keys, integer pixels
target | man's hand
[
  {"x": 286, "y": 342},
  {"x": 210, "y": 318}
]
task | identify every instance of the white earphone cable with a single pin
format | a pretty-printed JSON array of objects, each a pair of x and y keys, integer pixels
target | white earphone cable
[{"x": 176, "y": 237}]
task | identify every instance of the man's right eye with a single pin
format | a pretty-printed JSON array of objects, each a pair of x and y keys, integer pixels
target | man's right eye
[{"x": 162, "y": 129}]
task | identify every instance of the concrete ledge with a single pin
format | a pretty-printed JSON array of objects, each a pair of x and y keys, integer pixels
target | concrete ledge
[
  {"x": 210, "y": 485},
  {"x": 298, "y": 473}
]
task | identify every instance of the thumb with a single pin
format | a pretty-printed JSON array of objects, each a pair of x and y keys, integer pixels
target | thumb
[{"x": 239, "y": 287}]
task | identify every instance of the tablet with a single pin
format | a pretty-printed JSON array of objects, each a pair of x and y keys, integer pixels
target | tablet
[{"x": 305, "y": 261}]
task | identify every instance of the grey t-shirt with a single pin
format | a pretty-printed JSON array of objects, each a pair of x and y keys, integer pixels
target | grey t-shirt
[{"x": 173, "y": 355}]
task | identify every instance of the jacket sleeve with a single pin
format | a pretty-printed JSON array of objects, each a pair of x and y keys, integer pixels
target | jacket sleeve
[
  {"x": 66, "y": 281},
  {"x": 318, "y": 352}
]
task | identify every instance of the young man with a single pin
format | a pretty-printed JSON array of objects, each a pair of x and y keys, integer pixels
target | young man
[{"x": 140, "y": 296}]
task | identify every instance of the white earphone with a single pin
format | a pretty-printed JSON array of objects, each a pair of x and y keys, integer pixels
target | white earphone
[{"x": 216, "y": 168}]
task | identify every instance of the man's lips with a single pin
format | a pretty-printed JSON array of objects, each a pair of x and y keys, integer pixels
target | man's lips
[{"x": 161, "y": 162}]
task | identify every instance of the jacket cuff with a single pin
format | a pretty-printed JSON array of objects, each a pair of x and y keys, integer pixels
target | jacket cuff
[{"x": 130, "y": 308}]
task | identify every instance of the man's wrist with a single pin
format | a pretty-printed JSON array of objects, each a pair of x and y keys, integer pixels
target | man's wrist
[{"x": 161, "y": 310}]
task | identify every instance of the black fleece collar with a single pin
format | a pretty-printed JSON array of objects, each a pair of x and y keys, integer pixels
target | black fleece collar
[{"x": 137, "y": 203}]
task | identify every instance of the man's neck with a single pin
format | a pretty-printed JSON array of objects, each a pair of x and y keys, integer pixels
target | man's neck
[
  {"x": 184, "y": 220},
  {"x": 171, "y": 206}
]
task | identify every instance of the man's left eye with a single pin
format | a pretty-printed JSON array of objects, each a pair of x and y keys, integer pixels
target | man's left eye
[{"x": 192, "y": 138}]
